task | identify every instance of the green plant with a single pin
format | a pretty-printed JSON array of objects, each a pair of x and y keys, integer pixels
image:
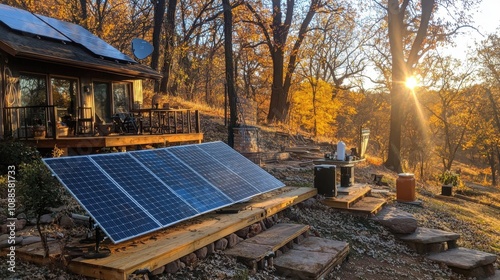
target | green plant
[
  {"x": 38, "y": 191},
  {"x": 449, "y": 178},
  {"x": 15, "y": 153}
]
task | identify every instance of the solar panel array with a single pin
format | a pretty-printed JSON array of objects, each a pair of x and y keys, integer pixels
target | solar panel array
[
  {"x": 35, "y": 24},
  {"x": 134, "y": 193}
]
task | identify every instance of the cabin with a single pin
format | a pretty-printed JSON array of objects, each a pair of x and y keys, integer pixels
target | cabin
[{"x": 62, "y": 85}]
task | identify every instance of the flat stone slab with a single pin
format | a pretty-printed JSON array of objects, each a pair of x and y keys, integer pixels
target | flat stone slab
[
  {"x": 464, "y": 258},
  {"x": 312, "y": 259},
  {"x": 397, "y": 221},
  {"x": 428, "y": 235}
]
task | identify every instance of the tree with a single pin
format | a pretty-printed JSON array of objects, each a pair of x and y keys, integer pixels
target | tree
[
  {"x": 38, "y": 191},
  {"x": 228, "y": 51},
  {"x": 278, "y": 45},
  {"x": 412, "y": 32}
]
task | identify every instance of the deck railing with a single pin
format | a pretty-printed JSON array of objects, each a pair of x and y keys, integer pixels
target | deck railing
[{"x": 30, "y": 122}]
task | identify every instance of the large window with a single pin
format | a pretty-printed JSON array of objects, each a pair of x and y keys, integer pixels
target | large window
[
  {"x": 110, "y": 99},
  {"x": 33, "y": 90},
  {"x": 64, "y": 95}
]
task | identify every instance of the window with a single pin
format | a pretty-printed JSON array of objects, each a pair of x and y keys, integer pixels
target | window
[
  {"x": 102, "y": 101},
  {"x": 33, "y": 90},
  {"x": 111, "y": 101},
  {"x": 121, "y": 98},
  {"x": 64, "y": 95}
]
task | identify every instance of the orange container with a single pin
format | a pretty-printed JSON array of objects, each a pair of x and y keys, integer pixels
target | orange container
[{"x": 405, "y": 187}]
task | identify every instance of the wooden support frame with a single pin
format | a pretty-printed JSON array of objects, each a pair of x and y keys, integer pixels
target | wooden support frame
[{"x": 173, "y": 243}]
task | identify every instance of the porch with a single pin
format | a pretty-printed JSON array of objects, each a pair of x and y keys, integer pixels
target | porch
[{"x": 86, "y": 133}]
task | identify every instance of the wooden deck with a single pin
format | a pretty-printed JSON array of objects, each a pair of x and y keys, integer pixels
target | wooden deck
[
  {"x": 160, "y": 248},
  {"x": 82, "y": 144}
]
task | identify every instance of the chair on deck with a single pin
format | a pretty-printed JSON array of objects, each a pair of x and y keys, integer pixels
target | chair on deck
[
  {"x": 125, "y": 123},
  {"x": 85, "y": 121}
]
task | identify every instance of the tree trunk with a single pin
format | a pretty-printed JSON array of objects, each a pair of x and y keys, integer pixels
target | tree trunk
[
  {"x": 228, "y": 53},
  {"x": 169, "y": 46},
  {"x": 85, "y": 16},
  {"x": 43, "y": 238},
  {"x": 158, "y": 24}
]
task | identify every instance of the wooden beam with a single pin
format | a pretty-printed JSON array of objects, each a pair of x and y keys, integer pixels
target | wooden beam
[{"x": 158, "y": 249}]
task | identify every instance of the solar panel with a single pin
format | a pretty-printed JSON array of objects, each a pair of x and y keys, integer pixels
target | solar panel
[
  {"x": 227, "y": 181},
  {"x": 85, "y": 38},
  {"x": 242, "y": 166},
  {"x": 183, "y": 181},
  {"x": 25, "y": 21},
  {"x": 113, "y": 210},
  {"x": 130, "y": 194},
  {"x": 159, "y": 201}
]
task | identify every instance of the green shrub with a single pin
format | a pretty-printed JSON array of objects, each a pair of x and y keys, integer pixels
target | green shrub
[
  {"x": 16, "y": 153},
  {"x": 449, "y": 178}
]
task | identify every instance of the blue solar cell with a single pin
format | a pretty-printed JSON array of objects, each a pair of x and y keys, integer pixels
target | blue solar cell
[
  {"x": 217, "y": 174},
  {"x": 118, "y": 216},
  {"x": 154, "y": 196},
  {"x": 242, "y": 166},
  {"x": 25, "y": 21},
  {"x": 187, "y": 184},
  {"x": 85, "y": 38}
]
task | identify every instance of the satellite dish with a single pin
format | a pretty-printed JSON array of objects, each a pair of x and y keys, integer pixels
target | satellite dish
[{"x": 141, "y": 48}]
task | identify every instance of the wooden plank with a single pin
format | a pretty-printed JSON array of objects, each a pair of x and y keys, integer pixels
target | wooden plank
[
  {"x": 368, "y": 205},
  {"x": 346, "y": 201},
  {"x": 161, "y": 248},
  {"x": 312, "y": 259},
  {"x": 259, "y": 246}
]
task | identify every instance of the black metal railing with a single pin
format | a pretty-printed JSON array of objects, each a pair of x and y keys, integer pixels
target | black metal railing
[{"x": 27, "y": 122}]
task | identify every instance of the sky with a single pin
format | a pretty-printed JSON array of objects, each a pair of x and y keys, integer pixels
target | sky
[{"x": 486, "y": 20}]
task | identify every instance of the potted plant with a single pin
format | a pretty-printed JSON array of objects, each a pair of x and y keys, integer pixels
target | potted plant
[
  {"x": 39, "y": 130},
  {"x": 448, "y": 180}
]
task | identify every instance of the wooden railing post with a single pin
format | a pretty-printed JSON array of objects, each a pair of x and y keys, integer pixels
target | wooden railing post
[{"x": 197, "y": 117}]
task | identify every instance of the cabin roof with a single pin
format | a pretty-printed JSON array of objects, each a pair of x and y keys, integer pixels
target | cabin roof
[{"x": 34, "y": 47}]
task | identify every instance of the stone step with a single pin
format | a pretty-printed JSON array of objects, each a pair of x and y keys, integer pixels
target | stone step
[
  {"x": 253, "y": 251},
  {"x": 314, "y": 258},
  {"x": 427, "y": 240},
  {"x": 468, "y": 262}
]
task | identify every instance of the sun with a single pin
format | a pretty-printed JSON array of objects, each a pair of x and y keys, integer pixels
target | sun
[{"x": 411, "y": 82}]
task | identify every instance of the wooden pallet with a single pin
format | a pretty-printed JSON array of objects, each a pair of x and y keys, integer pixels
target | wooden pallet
[
  {"x": 368, "y": 205},
  {"x": 253, "y": 250},
  {"x": 160, "y": 248},
  {"x": 347, "y": 196}
]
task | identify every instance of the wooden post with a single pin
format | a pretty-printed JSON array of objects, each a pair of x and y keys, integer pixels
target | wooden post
[{"x": 197, "y": 116}]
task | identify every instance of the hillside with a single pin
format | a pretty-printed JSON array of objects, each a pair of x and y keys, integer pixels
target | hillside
[{"x": 375, "y": 252}]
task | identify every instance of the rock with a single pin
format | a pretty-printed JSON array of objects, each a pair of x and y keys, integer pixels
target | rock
[
  {"x": 189, "y": 259},
  {"x": 263, "y": 225},
  {"x": 201, "y": 253},
  {"x": 278, "y": 253},
  {"x": 17, "y": 242},
  {"x": 243, "y": 233},
  {"x": 3, "y": 218},
  {"x": 210, "y": 248},
  {"x": 21, "y": 216},
  {"x": 268, "y": 222},
  {"x": 20, "y": 224},
  {"x": 30, "y": 240},
  {"x": 159, "y": 270},
  {"x": 396, "y": 221},
  {"x": 221, "y": 244},
  {"x": 232, "y": 240},
  {"x": 172, "y": 267},
  {"x": 46, "y": 219},
  {"x": 66, "y": 222},
  {"x": 4, "y": 237},
  {"x": 254, "y": 230}
]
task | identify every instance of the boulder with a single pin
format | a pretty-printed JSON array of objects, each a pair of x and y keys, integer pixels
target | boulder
[
  {"x": 210, "y": 248},
  {"x": 5, "y": 243},
  {"x": 232, "y": 240},
  {"x": 159, "y": 270},
  {"x": 173, "y": 267},
  {"x": 66, "y": 222},
  {"x": 201, "y": 253},
  {"x": 255, "y": 229},
  {"x": 221, "y": 244},
  {"x": 396, "y": 221},
  {"x": 189, "y": 259},
  {"x": 46, "y": 219},
  {"x": 243, "y": 233}
]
